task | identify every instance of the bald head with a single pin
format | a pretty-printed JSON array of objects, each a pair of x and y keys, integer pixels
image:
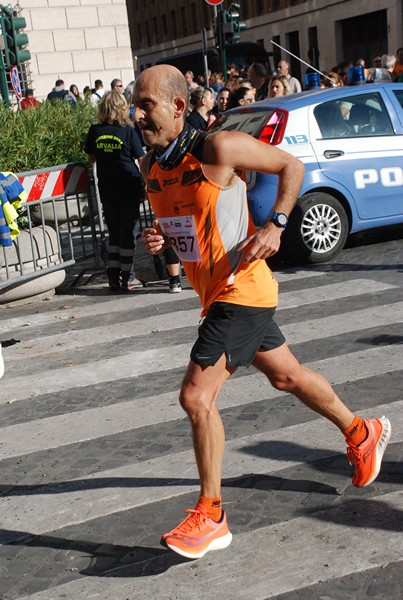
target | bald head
[{"x": 165, "y": 80}]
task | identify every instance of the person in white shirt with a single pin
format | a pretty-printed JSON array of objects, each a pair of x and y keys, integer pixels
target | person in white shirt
[
  {"x": 283, "y": 68},
  {"x": 98, "y": 92}
]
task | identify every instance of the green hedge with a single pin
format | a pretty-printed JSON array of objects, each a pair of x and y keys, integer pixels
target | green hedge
[{"x": 52, "y": 134}]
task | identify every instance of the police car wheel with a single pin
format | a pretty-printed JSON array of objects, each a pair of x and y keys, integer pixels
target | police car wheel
[{"x": 317, "y": 229}]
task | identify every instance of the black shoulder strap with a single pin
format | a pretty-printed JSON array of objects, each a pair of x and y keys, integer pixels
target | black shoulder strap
[{"x": 197, "y": 145}]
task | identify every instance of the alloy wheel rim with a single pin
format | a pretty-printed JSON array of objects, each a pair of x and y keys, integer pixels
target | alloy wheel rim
[{"x": 321, "y": 228}]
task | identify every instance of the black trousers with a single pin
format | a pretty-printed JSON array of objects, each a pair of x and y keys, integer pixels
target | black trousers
[
  {"x": 120, "y": 204},
  {"x": 171, "y": 258}
]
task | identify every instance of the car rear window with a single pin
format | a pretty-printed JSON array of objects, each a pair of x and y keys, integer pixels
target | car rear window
[
  {"x": 361, "y": 115},
  {"x": 248, "y": 121}
]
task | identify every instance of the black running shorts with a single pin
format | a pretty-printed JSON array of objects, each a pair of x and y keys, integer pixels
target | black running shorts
[{"x": 238, "y": 331}]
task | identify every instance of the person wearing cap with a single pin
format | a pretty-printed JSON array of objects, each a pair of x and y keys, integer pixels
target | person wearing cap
[{"x": 29, "y": 100}]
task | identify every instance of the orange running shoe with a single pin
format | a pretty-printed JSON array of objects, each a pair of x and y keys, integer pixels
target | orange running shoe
[
  {"x": 367, "y": 457},
  {"x": 198, "y": 534}
]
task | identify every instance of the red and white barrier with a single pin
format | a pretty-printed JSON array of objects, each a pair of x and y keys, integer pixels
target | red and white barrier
[{"x": 43, "y": 185}]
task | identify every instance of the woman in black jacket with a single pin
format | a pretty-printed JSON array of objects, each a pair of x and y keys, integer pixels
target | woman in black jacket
[
  {"x": 202, "y": 101},
  {"x": 114, "y": 145}
]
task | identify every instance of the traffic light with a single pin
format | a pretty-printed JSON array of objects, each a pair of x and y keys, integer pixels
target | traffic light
[
  {"x": 232, "y": 26},
  {"x": 15, "y": 39},
  {"x": 218, "y": 27}
]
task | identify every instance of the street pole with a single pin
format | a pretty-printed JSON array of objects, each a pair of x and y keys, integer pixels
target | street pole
[
  {"x": 3, "y": 82},
  {"x": 204, "y": 33},
  {"x": 3, "y": 78},
  {"x": 219, "y": 20}
]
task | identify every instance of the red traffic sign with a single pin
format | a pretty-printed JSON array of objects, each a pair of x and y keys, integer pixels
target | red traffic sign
[
  {"x": 15, "y": 82},
  {"x": 214, "y": 2}
]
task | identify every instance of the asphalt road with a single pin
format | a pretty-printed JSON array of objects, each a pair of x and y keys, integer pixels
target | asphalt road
[{"x": 97, "y": 461}]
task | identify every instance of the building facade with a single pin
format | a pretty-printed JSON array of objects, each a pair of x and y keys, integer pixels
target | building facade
[
  {"x": 321, "y": 32},
  {"x": 77, "y": 41}
]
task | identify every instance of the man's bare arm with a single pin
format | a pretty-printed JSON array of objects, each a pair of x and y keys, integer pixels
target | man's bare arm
[
  {"x": 236, "y": 151},
  {"x": 242, "y": 152}
]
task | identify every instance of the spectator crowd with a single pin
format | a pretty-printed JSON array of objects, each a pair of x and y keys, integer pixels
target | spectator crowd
[
  {"x": 246, "y": 84},
  {"x": 72, "y": 95}
]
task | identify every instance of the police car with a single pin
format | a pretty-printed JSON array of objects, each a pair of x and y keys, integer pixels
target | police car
[{"x": 351, "y": 142}]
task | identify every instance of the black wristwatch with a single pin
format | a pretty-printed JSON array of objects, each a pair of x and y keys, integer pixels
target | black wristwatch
[{"x": 279, "y": 219}]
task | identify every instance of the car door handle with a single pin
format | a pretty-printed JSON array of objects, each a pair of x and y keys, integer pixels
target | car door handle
[{"x": 333, "y": 153}]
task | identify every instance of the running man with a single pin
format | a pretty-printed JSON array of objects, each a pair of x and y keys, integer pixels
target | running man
[{"x": 200, "y": 205}]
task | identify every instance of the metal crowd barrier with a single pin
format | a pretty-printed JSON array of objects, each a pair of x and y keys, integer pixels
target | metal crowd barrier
[{"x": 62, "y": 224}]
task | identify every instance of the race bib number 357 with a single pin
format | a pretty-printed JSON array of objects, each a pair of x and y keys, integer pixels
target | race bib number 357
[{"x": 181, "y": 232}]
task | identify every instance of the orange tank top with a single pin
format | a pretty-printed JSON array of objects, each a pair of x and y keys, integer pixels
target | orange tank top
[{"x": 205, "y": 224}]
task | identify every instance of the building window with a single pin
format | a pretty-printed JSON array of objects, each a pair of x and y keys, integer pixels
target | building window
[
  {"x": 364, "y": 36},
  {"x": 174, "y": 28},
  {"x": 313, "y": 51},
  {"x": 193, "y": 17},
  {"x": 184, "y": 21},
  {"x": 164, "y": 25},
  {"x": 293, "y": 46},
  {"x": 139, "y": 35},
  {"x": 208, "y": 15},
  {"x": 276, "y": 51},
  {"x": 148, "y": 36},
  {"x": 155, "y": 30},
  {"x": 173, "y": 24}
]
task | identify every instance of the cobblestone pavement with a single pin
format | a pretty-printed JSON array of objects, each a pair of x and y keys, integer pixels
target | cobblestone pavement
[{"x": 97, "y": 461}]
